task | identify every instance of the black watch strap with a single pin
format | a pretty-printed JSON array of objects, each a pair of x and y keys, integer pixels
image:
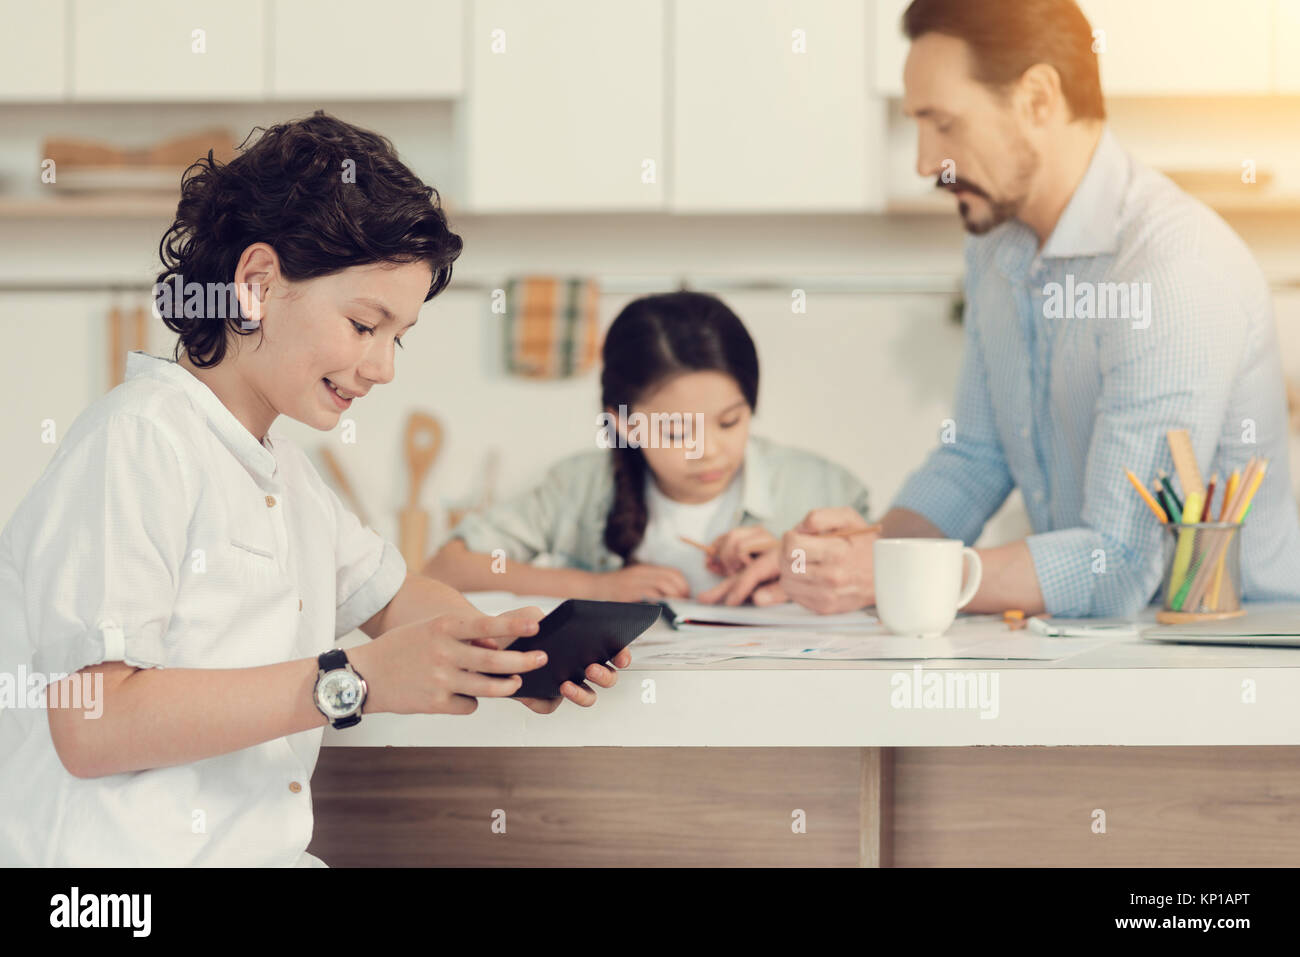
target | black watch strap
[{"x": 332, "y": 660}]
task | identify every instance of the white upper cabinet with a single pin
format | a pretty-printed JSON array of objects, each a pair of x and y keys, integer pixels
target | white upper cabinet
[
  {"x": 772, "y": 109},
  {"x": 1286, "y": 46},
  {"x": 379, "y": 49},
  {"x": 890, "y": 47},
  {"x": 1183, "y": 47},
  {"x": 32, "y": 50},
  {"x": 156, "y": 50},
  {"x": 565, "y": 105}
]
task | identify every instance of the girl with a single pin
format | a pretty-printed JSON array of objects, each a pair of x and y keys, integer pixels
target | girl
[
  {"x": 187, "y": 567},
  {"x": 679, "y": 385}
]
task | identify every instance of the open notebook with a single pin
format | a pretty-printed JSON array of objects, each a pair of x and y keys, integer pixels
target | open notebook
[{"x": 686, "y": 615}]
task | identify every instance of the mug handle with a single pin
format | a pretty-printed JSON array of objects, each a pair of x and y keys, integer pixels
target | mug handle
[{"x": 974, "y": 572}]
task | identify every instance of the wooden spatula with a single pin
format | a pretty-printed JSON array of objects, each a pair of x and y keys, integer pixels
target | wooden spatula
[{"x": 423, "y": 441}]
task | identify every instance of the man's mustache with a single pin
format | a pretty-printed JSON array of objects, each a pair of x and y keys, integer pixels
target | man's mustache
[{"x": 963, "y": 185}]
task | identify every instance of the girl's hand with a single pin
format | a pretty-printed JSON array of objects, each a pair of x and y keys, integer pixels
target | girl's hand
[
  {"x": 734, "y": 550},
  {"x": 437, "y": 666},
  {"x": 759, "y": 582},
  {"x": 640, "y": 583}
]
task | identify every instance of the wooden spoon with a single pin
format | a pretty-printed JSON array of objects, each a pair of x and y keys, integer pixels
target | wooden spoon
[{"x": 422, "y": 444}]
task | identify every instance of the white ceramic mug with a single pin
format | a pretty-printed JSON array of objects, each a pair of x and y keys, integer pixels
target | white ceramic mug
[{"x": 919, "y": 583}]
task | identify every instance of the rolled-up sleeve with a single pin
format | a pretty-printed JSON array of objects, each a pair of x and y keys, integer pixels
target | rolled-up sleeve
[
  {"x": 525, "y": 526},
  {"x": 1175, "y": 373},
  {"x": 966, "y": 479},
  {"x": 101, "y": 544},
  {"x": 370, "y": 570}
]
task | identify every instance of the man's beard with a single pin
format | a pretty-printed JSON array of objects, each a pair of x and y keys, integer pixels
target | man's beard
[{"x": 1000, "y": 210}]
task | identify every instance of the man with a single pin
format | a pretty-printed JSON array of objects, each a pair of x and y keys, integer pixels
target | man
[{"x": 1103, "y": 308}]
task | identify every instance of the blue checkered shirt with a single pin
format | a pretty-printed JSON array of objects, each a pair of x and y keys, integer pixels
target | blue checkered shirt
[{"x": 1057, "y": 400}]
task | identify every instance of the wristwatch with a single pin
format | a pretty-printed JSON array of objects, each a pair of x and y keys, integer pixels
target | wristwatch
[{"x": 340, "y": 690}]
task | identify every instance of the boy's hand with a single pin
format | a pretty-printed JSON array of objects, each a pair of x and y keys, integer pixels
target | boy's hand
[
  {"x": 579, "y": 694},
  {"x": 442, "y": 666}
]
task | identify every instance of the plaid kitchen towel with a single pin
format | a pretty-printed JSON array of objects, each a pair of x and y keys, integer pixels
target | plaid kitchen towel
[{"x": 551, "y": 329}]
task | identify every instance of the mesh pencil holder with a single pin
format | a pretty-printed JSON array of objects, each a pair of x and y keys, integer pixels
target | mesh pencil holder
[{"x": 1202, "y": 580}]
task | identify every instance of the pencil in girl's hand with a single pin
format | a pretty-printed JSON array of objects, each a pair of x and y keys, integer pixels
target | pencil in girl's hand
[
  {"x": 706, "y": 549},
  {"x": 1146, "y": 497},
  {"x": 850, "y": 533}
]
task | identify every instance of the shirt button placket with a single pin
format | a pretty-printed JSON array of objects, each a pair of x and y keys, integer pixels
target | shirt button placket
[{"x": 277, "y": 521}]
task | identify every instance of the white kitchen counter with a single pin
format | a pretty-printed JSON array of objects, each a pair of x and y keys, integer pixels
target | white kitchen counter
[{"x": 1127, "y": 692}]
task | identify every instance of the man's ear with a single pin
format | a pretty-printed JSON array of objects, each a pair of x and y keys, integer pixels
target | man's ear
[{"x": 1039, "y": 90}]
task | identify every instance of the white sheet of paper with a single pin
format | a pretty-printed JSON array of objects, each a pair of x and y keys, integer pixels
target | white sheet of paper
[{"x": 762, "y": 643}]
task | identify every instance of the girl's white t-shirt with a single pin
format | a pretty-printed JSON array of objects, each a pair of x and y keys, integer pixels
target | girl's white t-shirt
[
  {"x": 667, "y": 521},
  {"x": 163, "y": 534}
]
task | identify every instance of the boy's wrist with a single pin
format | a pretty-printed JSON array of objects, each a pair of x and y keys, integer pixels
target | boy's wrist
[{"x": 364, "y": 660}]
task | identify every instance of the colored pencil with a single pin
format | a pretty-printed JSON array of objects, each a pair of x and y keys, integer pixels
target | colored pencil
[
  {"x": 1256, "y": 470},
  {"x": 1146, "y": 497},
  {"x": 1175, "y": 503},
  {"x": 1229, "y": 490},
  {"x": 1193, "y": 506}
]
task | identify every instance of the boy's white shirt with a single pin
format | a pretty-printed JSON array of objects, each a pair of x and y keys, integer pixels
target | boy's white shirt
[{"x": 163, "y": 534}]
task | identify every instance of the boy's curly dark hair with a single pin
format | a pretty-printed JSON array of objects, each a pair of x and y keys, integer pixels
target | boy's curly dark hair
[{"x": 289, "y": 190}]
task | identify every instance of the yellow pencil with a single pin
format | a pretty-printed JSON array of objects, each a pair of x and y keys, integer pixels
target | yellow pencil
[
  {"x": 1255, "y": 481},
  {"x": 1147, "y": 497}
]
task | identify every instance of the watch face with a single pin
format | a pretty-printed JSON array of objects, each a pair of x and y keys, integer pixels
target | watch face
[{"x": 339, "y": 693}]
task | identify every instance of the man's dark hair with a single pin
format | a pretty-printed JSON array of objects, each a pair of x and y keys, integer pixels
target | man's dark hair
[
  {"x": 1007, "y": 37},
  {"x": 289, "y": 190}
]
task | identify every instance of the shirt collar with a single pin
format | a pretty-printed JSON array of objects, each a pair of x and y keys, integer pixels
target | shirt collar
[
  {"x": 1089, "y": 226},
  {"x": 253, "y": 455}
]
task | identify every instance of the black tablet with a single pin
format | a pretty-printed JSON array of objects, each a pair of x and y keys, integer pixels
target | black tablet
[{"x": 579, "y": 633}]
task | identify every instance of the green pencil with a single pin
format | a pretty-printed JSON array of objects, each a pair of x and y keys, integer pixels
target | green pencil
[{"x": 1175, "y": 503}]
